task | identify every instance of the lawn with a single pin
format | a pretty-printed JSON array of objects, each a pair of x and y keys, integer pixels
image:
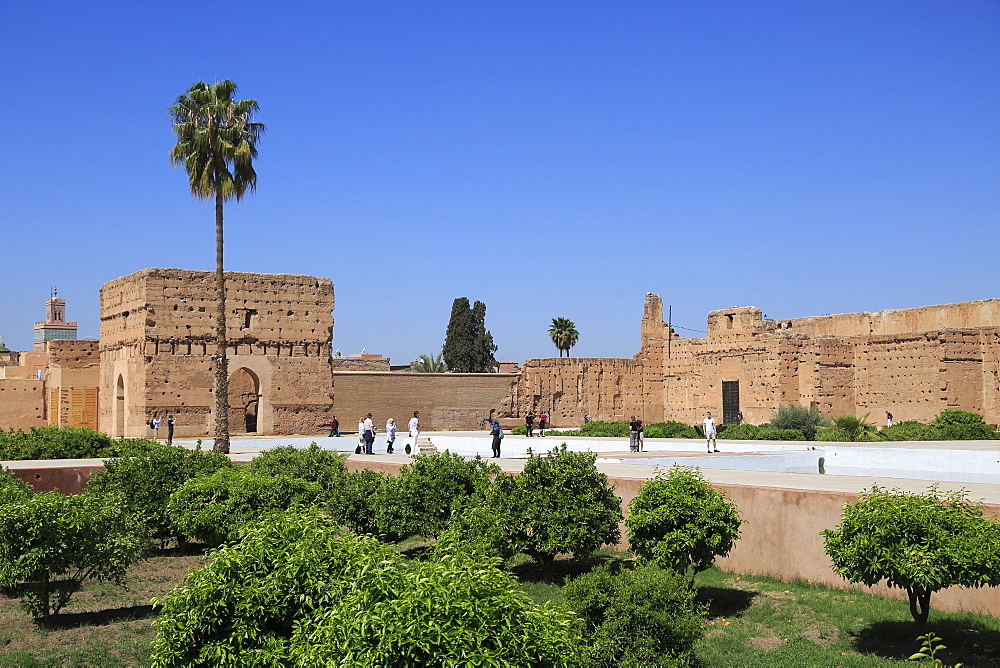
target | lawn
[{"x": 753, "y": 621}]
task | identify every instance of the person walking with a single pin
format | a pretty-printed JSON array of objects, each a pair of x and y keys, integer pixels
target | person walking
[
  {"x": 390, "y": 435},
  {"x": 170, "y": 430},
  {"x": 497, "y": 437},
  {"x": 529, "y": 423},
  {"x": 414, "y": 428},
  {"x": 710, "y": 432},
  {"x": 334, "y": 427},
  {"x": 633, "y": 435},
  {"x": 369, "y": 434},
  {"x": 155, "y": 424},
  {"x": 542, "y": 421},
  {"x": 888, "y": 419},
  {"x": 642, "y": 432}
]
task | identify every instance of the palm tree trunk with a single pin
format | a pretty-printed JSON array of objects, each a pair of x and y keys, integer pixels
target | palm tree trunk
[{"x": 221, "y": 361}]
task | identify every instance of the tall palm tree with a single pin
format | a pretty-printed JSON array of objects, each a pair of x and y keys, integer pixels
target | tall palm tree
[
  {"x": 563, "y": 333},
  {"x": 216, "y": 145}
]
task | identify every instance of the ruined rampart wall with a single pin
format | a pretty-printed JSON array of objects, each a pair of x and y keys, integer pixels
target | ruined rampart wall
[
  {"x": 853, "y": 363},
  {"x": 572, "y": 387},
  {"x": 445, "y": 400}
]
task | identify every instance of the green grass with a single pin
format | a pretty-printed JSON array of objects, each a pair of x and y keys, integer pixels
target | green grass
[
  {"x": 752, "y": 621},
  {"x": 771, "y": 622},
  {"x": 762, "y": 621}
]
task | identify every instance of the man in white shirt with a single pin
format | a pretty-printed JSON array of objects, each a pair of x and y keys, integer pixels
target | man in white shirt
[
  {"x": 369, "y": 434},
  {"x": 415, "y": 432},
  {"x": 710, "y": 432}
]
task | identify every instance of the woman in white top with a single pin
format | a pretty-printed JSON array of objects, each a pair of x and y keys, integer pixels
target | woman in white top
[
  {"x": 361, "y": 433},
  {"x": 390, "y": 435},
  {"x": 415, "y": 432}
]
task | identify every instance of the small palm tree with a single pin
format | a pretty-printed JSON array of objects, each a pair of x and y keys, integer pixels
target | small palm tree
[
  {"x": 428, "y": 364},
  {"x": 853, "y": 426},
  {"x": 216, "y": 145},
  {"x": 563, "y": 333}
]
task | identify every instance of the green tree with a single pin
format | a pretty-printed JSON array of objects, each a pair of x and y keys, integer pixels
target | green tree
[
  {"x": 795, "y": 416},
  {"x": 917, "y": 542},
  {"x": 563, "y": 333},
  {"x": 143, "y": 479},
  {"x": 216, "y": 145},
  {"x": 641, "y": 617},
  {"x": 217, "y": 508},
  {"x": 428, "y": 364},
  {"x": 298, "y": 590},
  {"x": 12, "y": 489},
  {"x": 52, "y": 543},
  {"x": 324, "y": 467},
  {"x": 420, "y": 500},
  {"x": 679, "y": 521},
  {"x": 558, "y": 504},
  {"x": 468, "y": 345}
]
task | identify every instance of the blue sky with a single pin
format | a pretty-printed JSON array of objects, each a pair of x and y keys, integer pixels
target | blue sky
[{"x": 548, "y": 158}]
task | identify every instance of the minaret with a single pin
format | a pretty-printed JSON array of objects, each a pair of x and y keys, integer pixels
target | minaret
[{"x": 55, "y": 325}]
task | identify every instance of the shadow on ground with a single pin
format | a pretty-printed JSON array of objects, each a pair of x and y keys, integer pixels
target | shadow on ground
[
  {"x": 967, "y": 641},
  {"x": 99, "y": 618},
  {"x": 561, "y": 570},
  {"x": 725, "y": 601}
]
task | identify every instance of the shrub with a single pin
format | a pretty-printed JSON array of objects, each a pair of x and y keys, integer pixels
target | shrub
[
  {"x": 644, "y": 617},
  {"x": 64, "y": 443},
  {"x": 315, "y": 464},
  {"x": 519, "y": 431},
  {"x": 679, "y": 521},
  {"x": 459, "y": 610},
  {"x": 763, "y": 432},
  {"x": 53, "y": 542},
  {"x": 215, "y": 508},
  {"x": 909, "y": 431},
  {"x": 298, "y": 591},
  {"x": 419, "y": 501},
  {"x": 953, "y": 417},
  {"x": 561, "y": 503},
  {"x": 832, "y": 434},
  {"x": 918, "y": 542},
  {"x": 963, "y": 426},
  {"x": 54, "y": 443},
  {"x": 12, "y": 489},
  {"x": 145, "y": 478},
  {"x": 352, "y": 502},
  {"x": 558, "y": 504},
  {"x": 488, "y": 524},
  {"x": 670, "y": 429},
  {"x": 600, "y": 428},
  {"x": 794, "y": 416}
]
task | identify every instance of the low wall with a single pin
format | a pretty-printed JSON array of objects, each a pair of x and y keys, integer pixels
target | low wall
[
  {"x": 446, "y": 401},
  {"x": 781, "y": 538},
  {"x": 66, "y": 479}
]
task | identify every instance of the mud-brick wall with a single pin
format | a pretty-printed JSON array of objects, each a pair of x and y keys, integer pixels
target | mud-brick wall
[
  {"x": 570, "y": 388},
  {"x": 445, "y": 400},
  {"x": 22, "y": 403}
]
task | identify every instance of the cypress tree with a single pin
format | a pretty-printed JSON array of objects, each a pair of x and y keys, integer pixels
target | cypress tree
[{"x": 468, "y": 345}]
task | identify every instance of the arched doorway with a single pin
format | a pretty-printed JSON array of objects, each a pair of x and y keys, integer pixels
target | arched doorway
[
  {"x": 244, "y": 393},
  {"x": 120, "y": 407}
]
